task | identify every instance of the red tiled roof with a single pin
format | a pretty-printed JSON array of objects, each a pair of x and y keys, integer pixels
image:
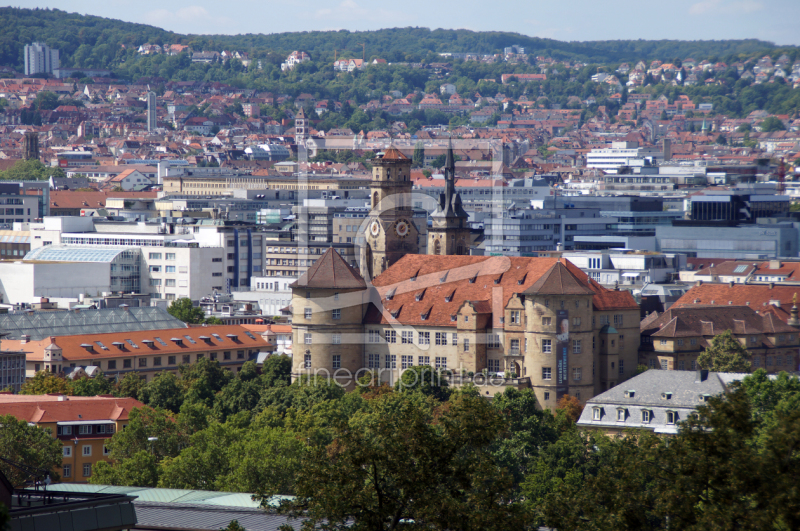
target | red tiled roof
[
  {"x": 48, "y": 408},
  {"x": 74, "y": 352},
  {"x": 760, "y": 297},
  {"x": 330, "y": 271},
  {"x": 437, "y": 286}
]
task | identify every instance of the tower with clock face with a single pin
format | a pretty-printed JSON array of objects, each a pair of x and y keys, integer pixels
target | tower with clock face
[{"x": 390, "y": 230}]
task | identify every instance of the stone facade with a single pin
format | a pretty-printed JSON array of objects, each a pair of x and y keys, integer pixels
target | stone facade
[{"x": 526, "y": 322}]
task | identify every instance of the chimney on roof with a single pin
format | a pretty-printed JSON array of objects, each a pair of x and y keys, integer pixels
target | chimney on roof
[
  {"x": 702, "y": 376},
  {"x": 731, "y": 283},
  {"x": 771, "y": 285},
  {"x": 774, "y": 264},
  {"x": 699, "y": 283}
]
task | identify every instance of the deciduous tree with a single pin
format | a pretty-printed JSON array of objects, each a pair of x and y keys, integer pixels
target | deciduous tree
[{"x": 726, "y": 354}]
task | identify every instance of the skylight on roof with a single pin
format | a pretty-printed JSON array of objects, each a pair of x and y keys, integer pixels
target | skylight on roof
[
  {"x": 190, "y": 340},
  {"x": 216, "y": 336},
  {"x": 740, "y": 269},
  {"x": 248, "y": 334},
  {"x": 101, "y": 345},
  {"x": 131, "y": 343},
  {"x": 161, "y": 341}
]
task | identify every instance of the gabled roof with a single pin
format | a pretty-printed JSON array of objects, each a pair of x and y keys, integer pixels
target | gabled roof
[
  {"x": 708, "y": 321},
  {"x": 53, "y": 408},
  {"x": 558, "y": 281},
  {"x": 759, "y": 297},
  {"x": 330, "y": 271}
]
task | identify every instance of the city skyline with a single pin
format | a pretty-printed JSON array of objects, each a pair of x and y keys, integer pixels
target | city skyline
[{"x": 770, "y": 20}]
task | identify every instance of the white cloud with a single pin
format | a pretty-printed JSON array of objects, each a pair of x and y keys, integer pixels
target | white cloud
[{"x": 720, "y": 7}]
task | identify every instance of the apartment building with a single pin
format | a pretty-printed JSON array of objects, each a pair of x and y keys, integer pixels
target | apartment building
[
  {"x": 83, "y": 425},
  {"x": 12, "y": 369},
  {"x": 674, "y": 339}
]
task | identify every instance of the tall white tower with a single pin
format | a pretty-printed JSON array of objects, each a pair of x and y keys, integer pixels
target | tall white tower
[{"x": 151, "y": 111}]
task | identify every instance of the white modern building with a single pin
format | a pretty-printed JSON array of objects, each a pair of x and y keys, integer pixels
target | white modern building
[
  {"x": 40, "y": 59},
  {"x": 271, "y": 293},
  {"x": 610, "y": 160}
]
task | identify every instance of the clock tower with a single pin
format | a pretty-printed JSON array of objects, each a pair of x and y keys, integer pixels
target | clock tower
[{"x": 390, "y": 232}]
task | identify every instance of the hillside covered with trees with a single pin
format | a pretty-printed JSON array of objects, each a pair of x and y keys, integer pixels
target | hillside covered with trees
[{"x": 88, "y": 41}]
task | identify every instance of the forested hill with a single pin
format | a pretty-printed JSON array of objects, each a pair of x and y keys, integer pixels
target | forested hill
[{"x": 96, "y": 42}]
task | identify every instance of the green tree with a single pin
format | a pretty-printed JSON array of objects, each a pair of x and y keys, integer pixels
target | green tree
[
  {"x": 139, "y": 470},
  {"x": 725, "y": 354},
  {"x": 184, "y": 310},
  {"x": 30, "y": 170},
  {"x": 46, "y": 101},
  {"x": 233, "y": 526},
  {"x": 277, "y": 370},
  {"x": 151, "y": 430},
  {"x": 27, "y": 445},
  {"x": 772, "y": 124},
  {"x": 425, "y": 379},
  {"x": 129, "y": 386},
  {"x": 163, "y": 391},
  {"x": 530, "y": 430},
  {"x": 418, "y": 158},
  {"x": 99, "y": 385},
  {"x": 203, "y": 380},
  {"x": 44, "y": 382},
  {"x": 404, "y": 459}
]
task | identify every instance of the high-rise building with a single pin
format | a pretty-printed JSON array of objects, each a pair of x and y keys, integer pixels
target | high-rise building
[
  {"x": 40, "y": 59},
  {"x": 151, "y": 111}
]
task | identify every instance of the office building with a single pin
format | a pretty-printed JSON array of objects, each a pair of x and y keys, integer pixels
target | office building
[
  {"x": 752, "y": 242},
  {"x": 40, "y": 59}
]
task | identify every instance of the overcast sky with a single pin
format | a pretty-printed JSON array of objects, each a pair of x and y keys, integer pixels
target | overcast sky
[{"x": 570, "y": 20}]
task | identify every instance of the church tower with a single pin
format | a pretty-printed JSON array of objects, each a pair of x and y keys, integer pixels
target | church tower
[
  {"x": 390, "y": 230},
  {"x": 449, "y": 233}
]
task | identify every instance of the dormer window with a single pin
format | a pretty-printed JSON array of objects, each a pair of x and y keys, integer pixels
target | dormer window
[
  {"x": 672, "y": 417},
  {"x": 630, "y": 393},
  {"x": 418, "y": 297},
  {"x": 473, "y": 279},
  {"x": 704, "y": 397},
  {"x": 622, "y": 414},
  {"x": 597, "y": 413},
  {"x": 390, "y": 294},
  {"x": 666, "y": 395},
  {"x": 453, "y": 318},
  {"x": 647, "y": 416}
]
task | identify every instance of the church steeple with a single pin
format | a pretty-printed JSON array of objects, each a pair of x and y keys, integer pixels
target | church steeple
[{"x": 449, "y": 233}]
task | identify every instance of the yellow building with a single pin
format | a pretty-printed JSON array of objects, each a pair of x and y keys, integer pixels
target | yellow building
[{"x": 83, "y": 425}]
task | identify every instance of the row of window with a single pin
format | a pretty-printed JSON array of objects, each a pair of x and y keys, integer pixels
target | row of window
[
  {"x": 622, "y": 415},
  {"x": 86, "y": 429},
  {"x": 86, "y": 450},
  {"x": 157, "y": 256},
  {"x": 66, "y": 470},
  {"x": 157, "y": 360}
]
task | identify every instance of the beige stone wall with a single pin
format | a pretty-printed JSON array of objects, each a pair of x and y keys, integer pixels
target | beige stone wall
[{"x": 538, "y": 310}]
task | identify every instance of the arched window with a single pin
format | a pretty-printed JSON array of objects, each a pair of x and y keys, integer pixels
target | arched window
[
  {"x": 437, "y": 247},
  {"x": 375, "y": 200}
]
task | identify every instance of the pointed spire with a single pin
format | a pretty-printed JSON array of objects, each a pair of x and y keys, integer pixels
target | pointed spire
[
  {"x": 793, "y": 317},
  {"x": 450, "y": 163}
]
